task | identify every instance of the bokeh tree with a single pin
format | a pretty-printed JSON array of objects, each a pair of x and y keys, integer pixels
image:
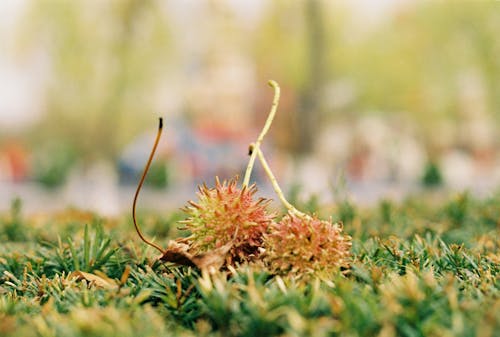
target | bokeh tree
[
  {"x": 413, "y": 64},
  {"x": 292, "y": 44}
]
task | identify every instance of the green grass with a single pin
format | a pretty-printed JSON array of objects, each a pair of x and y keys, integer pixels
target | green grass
[{"x": 420, "y": 268}]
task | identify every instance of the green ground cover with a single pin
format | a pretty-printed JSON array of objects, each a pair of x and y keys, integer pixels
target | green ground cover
[{"x": 419, "y": 268}]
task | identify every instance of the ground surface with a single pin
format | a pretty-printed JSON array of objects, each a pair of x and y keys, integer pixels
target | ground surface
[{"x": 421, "y": 268}]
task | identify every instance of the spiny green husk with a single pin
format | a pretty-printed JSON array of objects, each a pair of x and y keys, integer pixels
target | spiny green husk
[
  {"x": 227, "y": 214},
  {"x": 305, "y": 246},
  {"x": 226, "y": 218}
]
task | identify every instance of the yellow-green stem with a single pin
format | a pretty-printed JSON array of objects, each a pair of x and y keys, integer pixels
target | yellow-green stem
[
  {"x": 267, "y": 125},
  {"x": 276, "y": 186}
]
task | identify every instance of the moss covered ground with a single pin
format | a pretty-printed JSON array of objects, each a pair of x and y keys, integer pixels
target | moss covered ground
[{"x": 419, "y": 268}]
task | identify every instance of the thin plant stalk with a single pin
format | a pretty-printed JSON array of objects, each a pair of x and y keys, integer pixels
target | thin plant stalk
[
  {"x": 275, "y": 184},
  {"x": 141, "y": 182},
  {"x": 267, "y": 125}
]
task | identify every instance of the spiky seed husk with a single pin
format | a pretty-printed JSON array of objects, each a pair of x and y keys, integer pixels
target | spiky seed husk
[
  {"x": 305, "y": 246},
  {"x": 224, "y": 214}
]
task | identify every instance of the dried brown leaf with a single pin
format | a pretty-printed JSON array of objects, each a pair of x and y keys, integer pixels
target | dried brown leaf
[{"x": 179, "y": 253}]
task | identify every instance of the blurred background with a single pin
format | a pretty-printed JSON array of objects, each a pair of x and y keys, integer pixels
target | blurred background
[{"x": 379, "y": 99}]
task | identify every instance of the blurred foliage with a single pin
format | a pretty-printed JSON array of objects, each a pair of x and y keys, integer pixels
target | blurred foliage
[
  {"x": 414, "y": 63},
  {"x": 52, "y": 163},
  {"x": 432, "y": 175},
  {"x": 14, "y": 228},
  {"x": 105, "y": 58},
  {"x": 158, "y": 175}
]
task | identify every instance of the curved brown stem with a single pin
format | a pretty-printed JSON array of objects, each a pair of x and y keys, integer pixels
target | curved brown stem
[{"x": 146, "y": 169}]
